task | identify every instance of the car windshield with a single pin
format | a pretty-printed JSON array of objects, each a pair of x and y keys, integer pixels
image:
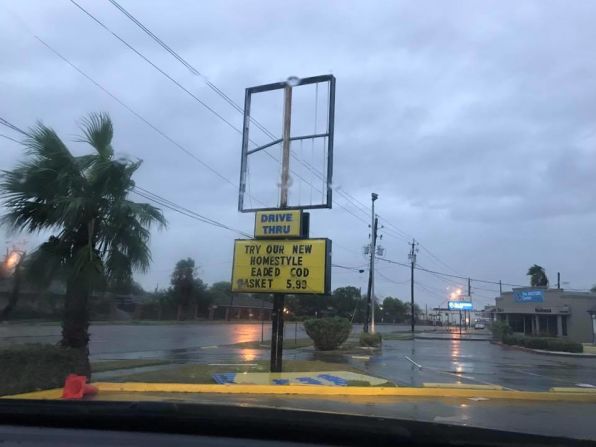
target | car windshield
[{"x": 316, "y": 200}]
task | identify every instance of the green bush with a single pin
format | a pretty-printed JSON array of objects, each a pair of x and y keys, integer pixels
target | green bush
[
  {"x": 536, "y": 342},
  {"x": 513, "y": 340},
  {"x": 370, "y": 340},
  {"x": 559, "y": 344},
  {"x": 328, "y": 333},
  {"x": 544, "y": 343},
  {"x": 33, "y": 367},
  {"x": 500, "y": 330}
]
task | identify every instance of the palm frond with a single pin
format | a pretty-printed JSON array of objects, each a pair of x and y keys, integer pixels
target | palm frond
[{"x": 98, "y": 131}]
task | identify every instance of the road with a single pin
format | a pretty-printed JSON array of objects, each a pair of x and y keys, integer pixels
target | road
[{"x": 140, "y": 338}]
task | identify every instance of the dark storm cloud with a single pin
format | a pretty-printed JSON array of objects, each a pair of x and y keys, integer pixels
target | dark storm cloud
[{"x": 472, "y": 120}]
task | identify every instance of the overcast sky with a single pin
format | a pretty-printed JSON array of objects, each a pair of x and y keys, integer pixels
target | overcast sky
[{"x": 473, "y": 121}]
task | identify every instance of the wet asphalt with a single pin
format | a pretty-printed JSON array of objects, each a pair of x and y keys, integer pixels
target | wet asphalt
[{"x": 405, "y": 362}]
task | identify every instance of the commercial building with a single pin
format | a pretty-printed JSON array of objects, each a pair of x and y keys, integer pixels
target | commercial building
[{"x": 548, "y": 312}]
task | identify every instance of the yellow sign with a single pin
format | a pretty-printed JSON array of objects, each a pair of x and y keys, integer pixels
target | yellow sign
[
  {"x": 278, "y": 224},
  {"x": 298, "y": 266}
]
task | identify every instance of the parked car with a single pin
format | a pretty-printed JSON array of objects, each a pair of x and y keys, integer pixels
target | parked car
[{"x": 479, "y": 325}]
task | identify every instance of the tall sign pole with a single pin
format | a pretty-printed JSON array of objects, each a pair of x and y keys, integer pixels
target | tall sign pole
[
  {"x": 282, "y": 258},
  {"x": 277, "y": 327}
]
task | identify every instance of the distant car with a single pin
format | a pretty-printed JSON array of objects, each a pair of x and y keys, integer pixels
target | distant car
[{"x": 479, "y": 325}]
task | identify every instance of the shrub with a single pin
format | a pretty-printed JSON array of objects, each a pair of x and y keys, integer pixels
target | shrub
[
  {"x": 33, "y": 367},
  {"x": 558, "y": 344},
  {"x": 545, "y": 343},
  {"x": 536, "y": 342},
  {"x": 513, "y": 340},
  {"x": 370, "y": 340},
  {"x": 500, "y": 330},
  {"x": 328, "y": 333}
]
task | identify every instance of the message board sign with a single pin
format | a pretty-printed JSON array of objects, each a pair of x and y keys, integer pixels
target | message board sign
[
  {"x": 282, "y": 266},
  {"x": 460, "y": 305},
  {"x": 529, "y": 296},
  {"x": 278, "y": 224}
]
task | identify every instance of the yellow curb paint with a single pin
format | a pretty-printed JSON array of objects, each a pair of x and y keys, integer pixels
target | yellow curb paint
[
  {"x": 562, "y": 389},
  {"x": 467, "y": 386},
  {"x": 45, "y": 395},
  {"x": 310, "y": 390},
  {"x": 341, "y": 391}
]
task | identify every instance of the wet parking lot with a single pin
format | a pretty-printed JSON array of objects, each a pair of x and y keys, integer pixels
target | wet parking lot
[{"x": 404, "y": 362}]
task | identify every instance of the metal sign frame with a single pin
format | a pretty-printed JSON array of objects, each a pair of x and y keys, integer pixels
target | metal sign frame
[{"x": 328, "y": 134}]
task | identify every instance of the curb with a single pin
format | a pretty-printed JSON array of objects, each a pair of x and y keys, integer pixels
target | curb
[
  {"x": 442, "y": 391},
  {"x": 452, "y": 338},
  {"x": 543, "y": 352}
]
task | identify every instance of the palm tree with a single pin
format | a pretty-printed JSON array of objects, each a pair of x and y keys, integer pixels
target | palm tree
[
  {"x": 99, "y": 235},
  {"x": 537, "y": 276}
]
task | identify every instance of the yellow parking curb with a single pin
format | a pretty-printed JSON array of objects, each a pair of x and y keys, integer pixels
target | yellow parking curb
[
  {"x": 465, "y": 386},
  {"x": 573, "y": 389},
  {"x": 320, "y": 390},
  {"x": 53, "y": 394}
]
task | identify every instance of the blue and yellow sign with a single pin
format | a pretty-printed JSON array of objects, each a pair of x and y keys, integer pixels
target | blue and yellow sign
[{"x": 280, "y": 224}]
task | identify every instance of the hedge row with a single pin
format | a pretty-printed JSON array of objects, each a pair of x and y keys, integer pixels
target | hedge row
[
  {"x": 545, "y": 343},
  {"x": 33, "y": 367}
]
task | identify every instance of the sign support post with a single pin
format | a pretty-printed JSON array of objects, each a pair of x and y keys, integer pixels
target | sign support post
[
  {"x": 277, "y": 326},
  {"x": 282, "y": 258}
]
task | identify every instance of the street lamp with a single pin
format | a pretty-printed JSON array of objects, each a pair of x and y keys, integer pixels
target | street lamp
[{"x": 11, "y": 262}]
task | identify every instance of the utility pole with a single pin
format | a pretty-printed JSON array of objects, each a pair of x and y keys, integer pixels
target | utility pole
[
  {"x": 371, "y": 270},
  {"x": 277, "y": 326},
  {"x": 468, "y": 319},
  {"x": 500, "y": 287},
  {"x": 412, "y": 257},
  {"x": 558, "y": 280}
]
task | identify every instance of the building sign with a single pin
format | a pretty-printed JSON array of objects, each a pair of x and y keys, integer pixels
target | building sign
[
  {"x": 278, "y": 224},
  {"x": 529, "y": 296},
  {"x": 460, "y": 305},
  {"x": 282, "y": 266},
  {"x": 544, "y": 309}
]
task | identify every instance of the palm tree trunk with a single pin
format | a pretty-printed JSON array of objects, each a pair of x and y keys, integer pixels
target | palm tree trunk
[
  {"x": 14, "y": 294},
  {"x": 75, "y": 323}
]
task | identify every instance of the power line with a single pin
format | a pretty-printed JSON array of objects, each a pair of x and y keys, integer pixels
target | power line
[
  {"x": 356, "y": 269},
  {"x": 134, "y": 112},
  {"x": 155, "y": 198},
  {"x": 391, "y": 280},
  {"x": 449, "y": 275},
  {"x": 182, "y": 210},
  {"x": 191, "y": 68},
  {"x": 237, "y": 107},
  {"x": 210, "y": 109},
  {"x": 146, "y": 59}
]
